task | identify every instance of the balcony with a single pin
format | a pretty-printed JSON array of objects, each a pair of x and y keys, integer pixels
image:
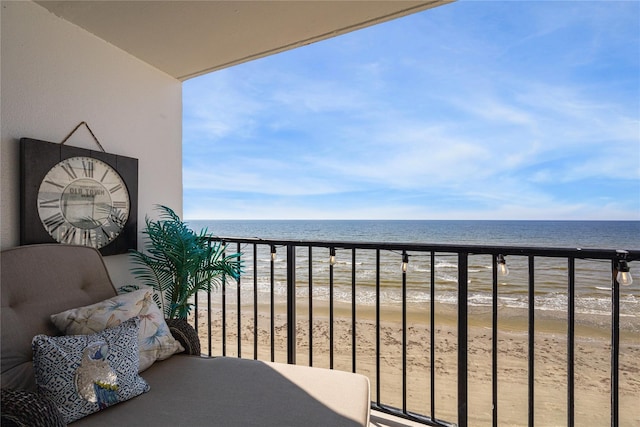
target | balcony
[{"x": 445, "y": 337}]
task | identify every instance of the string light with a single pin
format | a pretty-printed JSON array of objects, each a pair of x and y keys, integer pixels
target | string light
[
  {"x": 405, "y": 262},
  {"x": 502, "y": 266},
  {"x": 273, "y": 253},
  {"x": 332, "y": 256},
  {"x": 624, "y": 275}
]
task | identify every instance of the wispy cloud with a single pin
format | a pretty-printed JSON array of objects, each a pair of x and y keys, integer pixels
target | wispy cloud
[{"x": 498, "y": 110}]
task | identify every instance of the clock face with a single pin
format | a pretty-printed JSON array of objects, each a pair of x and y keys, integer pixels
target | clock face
[{"x": 83, "y": 201}]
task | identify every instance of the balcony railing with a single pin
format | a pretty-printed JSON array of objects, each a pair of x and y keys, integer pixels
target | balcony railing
[{"x": 355, "y": 287}]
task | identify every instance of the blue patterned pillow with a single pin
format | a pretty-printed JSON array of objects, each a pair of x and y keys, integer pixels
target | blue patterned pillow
[
  {"x": 155, "y": 341},
  {"x": 83, "y": 374}
]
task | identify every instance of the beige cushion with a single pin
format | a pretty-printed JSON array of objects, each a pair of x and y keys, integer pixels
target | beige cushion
[
  {"x": 196, "y": 391},
  {"x": 155, "y": 342},
  {"x": 37, "y": 281}
]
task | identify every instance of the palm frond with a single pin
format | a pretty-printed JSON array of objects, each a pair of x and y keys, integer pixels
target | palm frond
[{"x": 178, "y": 262}]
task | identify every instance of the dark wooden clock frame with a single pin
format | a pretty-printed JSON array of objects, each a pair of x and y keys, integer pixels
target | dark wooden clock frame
[{"x": 38, "y": 157}]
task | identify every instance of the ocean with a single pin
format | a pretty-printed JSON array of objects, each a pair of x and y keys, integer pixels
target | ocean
[{"x": 593, "y": 278}]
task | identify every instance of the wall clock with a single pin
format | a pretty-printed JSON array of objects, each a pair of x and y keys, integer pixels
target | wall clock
[{"x": 72, "y": 195}]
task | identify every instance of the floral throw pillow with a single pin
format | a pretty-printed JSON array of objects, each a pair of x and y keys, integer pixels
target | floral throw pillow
[
  {"x": 83, "y": 374},
  {"x": 155, "y": 341}
]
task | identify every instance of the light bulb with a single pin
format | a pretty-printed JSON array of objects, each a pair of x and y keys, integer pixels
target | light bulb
[
  {"x": 502, "y": 266},
  {"x": 273, "y": 253},
  {"x": 624, "y": 276},
  {"x": 405, "y": 263},
  {"x": 332, "y": 256}
]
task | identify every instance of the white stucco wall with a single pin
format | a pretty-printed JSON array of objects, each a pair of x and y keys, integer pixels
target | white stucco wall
[{"x": 55, "y": 75}]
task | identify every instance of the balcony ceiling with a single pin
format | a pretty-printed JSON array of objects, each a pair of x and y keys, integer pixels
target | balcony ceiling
[{"x": 189, "y": 38}]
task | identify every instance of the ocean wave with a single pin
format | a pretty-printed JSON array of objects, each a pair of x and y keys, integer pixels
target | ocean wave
[
  {"x": 553, "y": 302},
  {"x": 447, "y": 278},
  {"x": 440, "y": 264}
]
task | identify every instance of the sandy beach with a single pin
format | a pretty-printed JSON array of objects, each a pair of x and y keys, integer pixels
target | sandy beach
[{"x": 592, "y": 359}]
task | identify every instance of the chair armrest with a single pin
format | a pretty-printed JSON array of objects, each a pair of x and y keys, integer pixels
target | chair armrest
[
  {"x": 186, "y": 335},
  {"x": 28, "y": 409}
]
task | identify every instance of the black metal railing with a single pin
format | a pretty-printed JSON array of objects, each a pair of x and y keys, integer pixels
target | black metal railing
[{"x": 266, "y": 271}]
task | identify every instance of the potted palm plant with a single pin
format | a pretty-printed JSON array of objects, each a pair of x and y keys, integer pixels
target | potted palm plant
[{"x": 178, "y": 262}]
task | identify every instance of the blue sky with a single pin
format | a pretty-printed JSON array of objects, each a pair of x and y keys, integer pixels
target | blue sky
[{"x": 472, "y": 110}]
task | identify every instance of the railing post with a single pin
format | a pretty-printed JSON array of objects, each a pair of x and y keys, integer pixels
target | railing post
[
  {"x": 615, "y": 344},
  {"x": 239, "y": 308},
  {"x": 532, "y": 340},
  {"x": 404, "y": 333},
  {"x": 571, "y": 344},
  {"x": 255, "y": 301},
  {"x": 378, "y": 387},
  {"x": 463, "y": 277},
  {"x": 272, "y": 306},
  {"x": 494, "y": 341},
  {"x": 291, "y": 304},
  {"x": 224, "y": 309}
]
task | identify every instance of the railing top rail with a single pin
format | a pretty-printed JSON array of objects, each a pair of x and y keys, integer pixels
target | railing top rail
[{"x": 579, "y": 253}]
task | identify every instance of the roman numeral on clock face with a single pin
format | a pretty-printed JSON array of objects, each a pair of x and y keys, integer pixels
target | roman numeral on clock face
[
  {"x": 117, "y": 204},
  {"x": 69, "y": 235},
  {"x": 52, "y": 203},
  {"x": 69, "y": 170},
  {"x": 53, "y": 222},
  {"x": 87, "y": 168},
  {"x": 105, "y": 233},
  {"x": 85, "y": 237},
  {"x": 48, "y": 181}
]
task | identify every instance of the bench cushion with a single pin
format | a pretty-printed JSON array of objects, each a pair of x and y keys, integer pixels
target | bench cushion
[
  {"x": 41, "y": 280},
  {"x": 191, "y": 390},
  {"x": 37, "y": 281}
]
